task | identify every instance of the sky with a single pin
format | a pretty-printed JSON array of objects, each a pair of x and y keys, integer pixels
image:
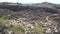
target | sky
[{"x": 32, "y": 1}]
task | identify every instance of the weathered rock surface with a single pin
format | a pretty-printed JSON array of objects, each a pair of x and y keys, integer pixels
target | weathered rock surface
[{"x": 41, "y": 18}]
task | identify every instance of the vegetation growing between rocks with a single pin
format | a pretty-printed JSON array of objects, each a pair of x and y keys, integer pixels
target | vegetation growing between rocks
[
  {"x": 17, "y": 28},
  {"x": 3, "y": 20}
]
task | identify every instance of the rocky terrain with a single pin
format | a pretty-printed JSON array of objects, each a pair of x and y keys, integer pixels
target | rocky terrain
[{"x": 39, "y": 18}]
